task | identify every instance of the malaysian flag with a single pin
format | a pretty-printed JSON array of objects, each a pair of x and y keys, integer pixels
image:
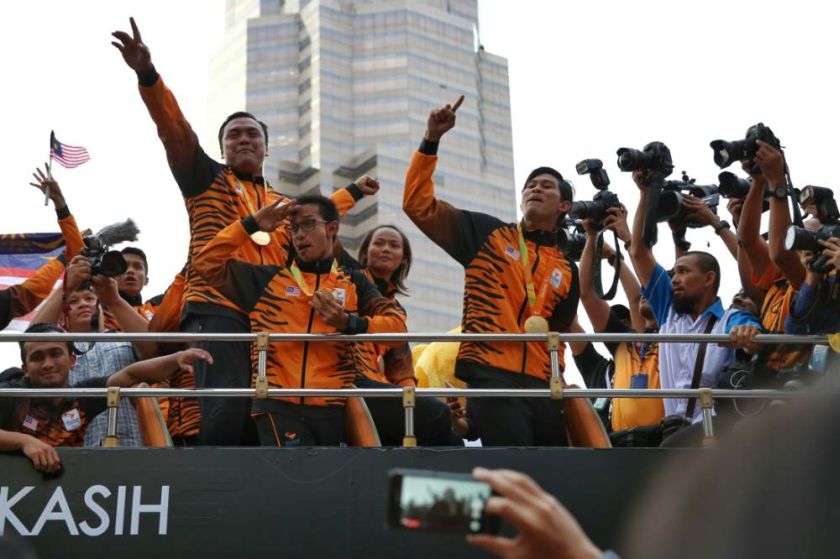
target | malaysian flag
[
  {"x": 68, "y": 156},
  {"x": 20, "y": 256}
]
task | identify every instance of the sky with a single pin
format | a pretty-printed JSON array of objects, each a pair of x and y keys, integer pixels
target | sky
[{"x": 586, "y": 78}]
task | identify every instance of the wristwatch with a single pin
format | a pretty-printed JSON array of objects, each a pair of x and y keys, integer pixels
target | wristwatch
[
  {"x": 780, "y": 191},
  {"x": 721, "y": 226}
]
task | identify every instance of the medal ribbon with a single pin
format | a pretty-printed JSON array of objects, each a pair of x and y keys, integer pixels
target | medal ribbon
[
  {"x": 533, "y": 302},
  {"x": 302, "y": 283},
  {"x": 241, "y": 190}
]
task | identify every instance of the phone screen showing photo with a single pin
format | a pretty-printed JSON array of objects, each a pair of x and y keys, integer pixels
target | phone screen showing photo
[{"x": 443, "y": 503}]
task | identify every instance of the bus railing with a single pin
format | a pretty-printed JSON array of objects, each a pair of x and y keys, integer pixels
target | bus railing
[{"x": 553, "y": 341}]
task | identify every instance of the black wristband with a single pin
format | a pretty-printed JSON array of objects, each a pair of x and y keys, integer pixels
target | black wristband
[
  {"x": 148, "y": 78},
  {"x": 62, "y": 213},
  {"x": 428, "y": 147},
  {"x": 250, "y": 225},
  {"x": 721, "y": 226},
  {"x": 355, "y": 191}
]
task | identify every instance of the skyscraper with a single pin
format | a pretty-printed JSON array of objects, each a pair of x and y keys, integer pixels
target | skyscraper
[{"x": 345, "y": 88}]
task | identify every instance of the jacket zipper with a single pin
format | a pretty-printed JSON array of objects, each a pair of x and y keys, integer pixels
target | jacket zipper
[
  {"x": 306, "y": 344},
  {"x": 259, "y": 205}
]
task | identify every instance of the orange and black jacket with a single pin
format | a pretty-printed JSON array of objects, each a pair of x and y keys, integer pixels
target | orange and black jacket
[
  {"x": 21, "y": 299},
  {"x": 275, "y": 303},
  {"x": 183, "y": 415},
  {"x": 397, "y": 365},
  {"x": 215, "y": 195},
  {"x": 495, "y": 300}
]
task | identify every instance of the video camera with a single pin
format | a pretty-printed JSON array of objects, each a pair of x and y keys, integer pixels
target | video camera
[
  {"x": 726, "y": 153},
  {"x": 109, "y": 263},
  {"x": 671, "y": 206},
  {"x": 596, "y": 210}
]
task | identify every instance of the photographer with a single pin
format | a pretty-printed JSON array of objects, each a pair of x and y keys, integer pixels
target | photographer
[
  {"x": 687, "y": 304},
  {"x": 815, "y": 309},
  {"x": 761, "y": 278},
  {"x": 79, "y": 307},
  {"x": 18, "y": 300},
  {"x": 635, "y": 365}
]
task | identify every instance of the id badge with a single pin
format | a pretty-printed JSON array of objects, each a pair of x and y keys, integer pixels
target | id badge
[
  {"x": 71, "y": 419},
  {"x": 340, "y": 295},
  {"x": 819, "y": 358},
  {"x": 30, "y": 423},
  {"x": 639, "y": 381}
]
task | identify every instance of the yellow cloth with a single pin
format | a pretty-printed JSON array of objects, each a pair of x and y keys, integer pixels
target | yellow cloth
[{"x": 834, "y": 341}]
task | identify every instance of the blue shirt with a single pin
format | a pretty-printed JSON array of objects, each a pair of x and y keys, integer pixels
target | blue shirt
[
  {"x": 824, "y": 320},
  {"x": 677, "y": 360}
]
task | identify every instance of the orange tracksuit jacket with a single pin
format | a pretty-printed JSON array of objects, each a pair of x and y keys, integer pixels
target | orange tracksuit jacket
[
  {"x": 215, "y": 196},
  {"x": 275, "y": 303},
  {"x": 495, "y": 299}
]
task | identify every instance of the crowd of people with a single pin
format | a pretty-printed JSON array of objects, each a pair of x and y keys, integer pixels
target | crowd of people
[{"x": 262, "y": 262}]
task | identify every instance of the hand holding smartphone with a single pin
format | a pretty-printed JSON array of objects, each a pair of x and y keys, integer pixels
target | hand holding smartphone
[{"x": 430, "y": 501}]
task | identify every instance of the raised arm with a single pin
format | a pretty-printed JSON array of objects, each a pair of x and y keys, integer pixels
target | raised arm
[
  {"x": 192, "y": 168},
  {"x": 640, "y": 254},
  {"x": 699, "y": 212},
  {"x": 596, "y": 308},
  {"x": 73, "y": 242},
  {"x": 459, "y": 232},
  {"x": 772, "y": 164}
]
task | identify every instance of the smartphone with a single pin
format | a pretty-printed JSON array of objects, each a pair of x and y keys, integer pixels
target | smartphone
[{"x": 429, "y": 501}]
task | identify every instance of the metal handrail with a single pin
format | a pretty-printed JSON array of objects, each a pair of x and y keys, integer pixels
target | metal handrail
[
  {"x": 408, "y": 337},
  {"x": 394, "y": 393},
  {"x": 555, "y": 391}
]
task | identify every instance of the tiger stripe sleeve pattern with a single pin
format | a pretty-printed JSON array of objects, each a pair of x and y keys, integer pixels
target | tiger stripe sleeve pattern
[
  {"x": 239, "y": 281},
  {"x": 380, "y": 314},
  {"x": 192, "y": 168},
  {"x": 460, "y": 233}
]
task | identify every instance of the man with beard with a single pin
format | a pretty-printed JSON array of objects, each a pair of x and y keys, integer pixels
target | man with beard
[{"x": 688, "y": 303}]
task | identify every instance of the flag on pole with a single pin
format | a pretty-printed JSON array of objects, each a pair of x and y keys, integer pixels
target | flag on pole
[
  {"x": 67, "y": 156},
  {"x": 20, "y": 256}
]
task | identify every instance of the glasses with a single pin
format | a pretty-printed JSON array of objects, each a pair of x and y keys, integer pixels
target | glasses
[{"x": 306, "y": 226}]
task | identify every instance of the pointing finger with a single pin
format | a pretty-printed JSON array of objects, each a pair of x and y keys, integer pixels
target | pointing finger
[
  {"x": 457, "y": 103},
  {"x": 135, "y": 30}
]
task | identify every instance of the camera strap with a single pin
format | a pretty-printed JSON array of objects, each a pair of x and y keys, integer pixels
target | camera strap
[
  {"x": 596, "y": 268},
  {"x": 698, "y": 368}
]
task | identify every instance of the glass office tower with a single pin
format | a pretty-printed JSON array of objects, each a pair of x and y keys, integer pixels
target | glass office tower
[{"x": 346, "y": 87}]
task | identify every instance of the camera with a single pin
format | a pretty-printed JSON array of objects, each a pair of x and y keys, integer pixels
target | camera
[
  {"x": 671, "y": 205},
  {"x": 726, "y": 153},
  {"x": 655, "y": 156},
  {"x": 571, "y": 238},
  {"x": 429, "y": 501},
  {"x": 822, "y": 199},
  {"x": 799, "y": 238},
  {"x": 596, "y": 210},
  {"x": 731, "y": 185},
  {"x": 109, "y": 263}
]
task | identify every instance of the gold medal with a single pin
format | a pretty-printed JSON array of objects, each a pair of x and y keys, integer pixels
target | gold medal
[
  {"x": 536, "y": 325},
  {"x": 261, "y": 238}
]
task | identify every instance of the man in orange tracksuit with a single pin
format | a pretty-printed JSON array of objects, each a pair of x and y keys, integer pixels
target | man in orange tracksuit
[
  {"x": 313, "y": 294},
  {"x": 514, "y": 273},
  {"x": 216, "y": 195}
]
